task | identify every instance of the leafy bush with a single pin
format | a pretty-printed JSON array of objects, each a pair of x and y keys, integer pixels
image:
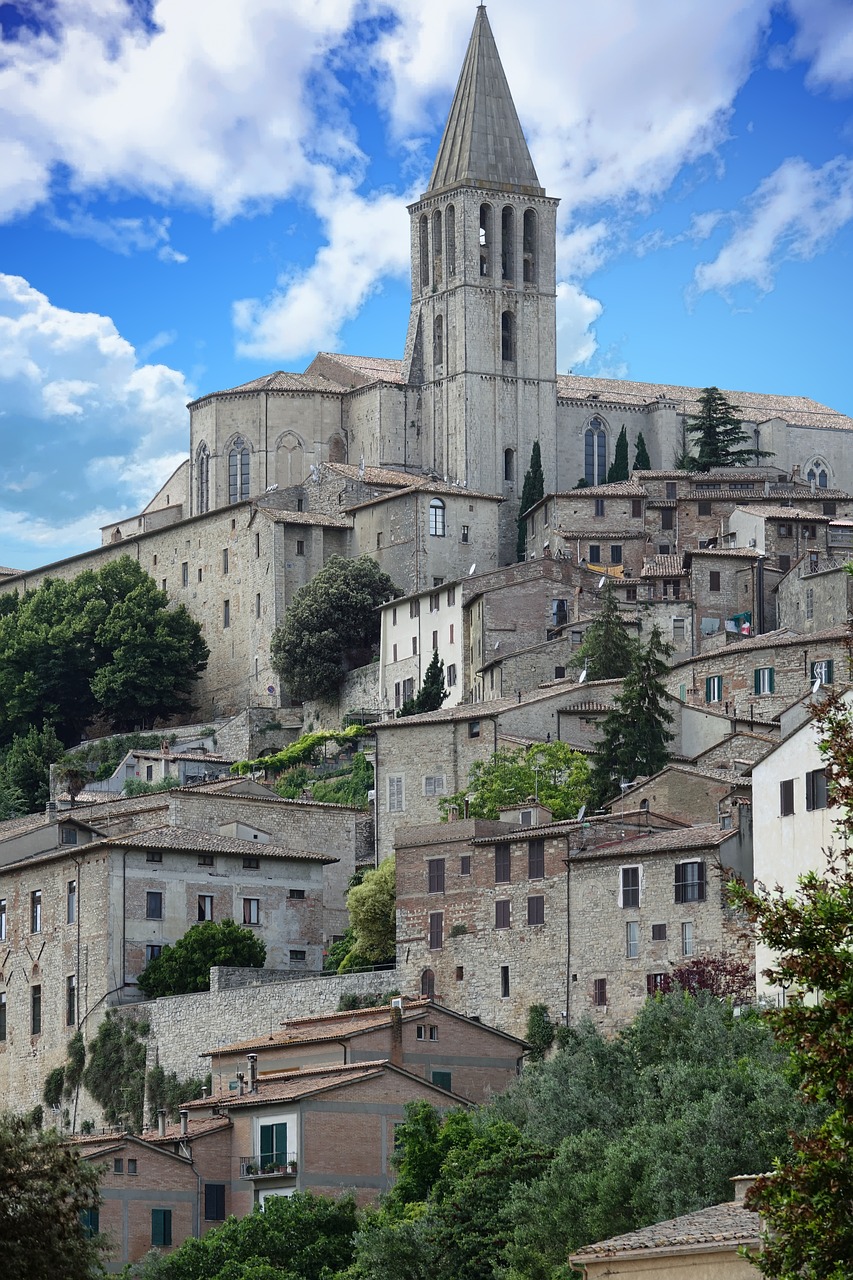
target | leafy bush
[{"x": 186, "y": 966}]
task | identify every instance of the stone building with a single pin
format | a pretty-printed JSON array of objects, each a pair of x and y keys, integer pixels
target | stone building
[{"x": 814, "y": 595}]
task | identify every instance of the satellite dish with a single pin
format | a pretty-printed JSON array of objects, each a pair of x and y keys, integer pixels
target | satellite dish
[
  {"x": 818, "y": 682},
  {"x": 271, "y": 488},
  {"x": 497, "y": 644},
  {"x": 582, "y": 676},
  {"x": 581, "y": 813},
  {"x": 471, "y": 570},
  {"x": 601, "y": 582}
]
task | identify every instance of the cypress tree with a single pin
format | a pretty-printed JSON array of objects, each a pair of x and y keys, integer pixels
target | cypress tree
[
  {"x": 432, "y": 692},
  {"x": 607, "y": 652},
  {"x": 532, "y": 490},
  {"x": 619, "y": 465},
  {"x": 642, "y": 462}
]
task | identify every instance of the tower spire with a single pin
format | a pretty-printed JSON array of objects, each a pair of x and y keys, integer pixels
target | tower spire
[{"x": 483, "y": 144}]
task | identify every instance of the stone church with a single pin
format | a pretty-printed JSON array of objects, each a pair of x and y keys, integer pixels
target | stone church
[{"x": 417, "y": 462}]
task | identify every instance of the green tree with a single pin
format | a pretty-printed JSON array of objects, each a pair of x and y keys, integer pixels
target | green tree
[
  {"x": 432, "y": 692},
  {"x": 619, "y": 465},
  {"x": 332, "y": 625},
  {"x": 372, "y": 908},
  {"x": 634, "y": 734},
  {"x": 186, "y": 966},
  {"x": 531, "y": 491},
  {"x": 552, "y": 771},
  {"x": 607, "y": 652},
  {"x": 642, "y": 462},
  {"x": 27, "y": 765},
  {"x": 12, "y": 800},
  {"x": 540, "y": 1031},
  {"x": 115, "y": 1072},
  {"x": 720, "y": 436},
  {"x": 46, "y": 1190}
]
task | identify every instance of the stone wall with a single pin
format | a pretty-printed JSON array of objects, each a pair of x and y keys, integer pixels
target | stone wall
[{"x": 359, "y": 691}]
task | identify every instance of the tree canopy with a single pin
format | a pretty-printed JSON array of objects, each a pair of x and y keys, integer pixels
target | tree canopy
[
  {"x": 372, "y": 906},
  {"x": 432, "y": 693},
  {"x": 642, "y": 461},
  {"x": 531, "y": 491},
  {"x": 26, "y": 766},
  {"x": 619, "y": 465},
  {"x": 186, "y": 966},
  {"x": 607, "y": 650},
  {"x": 719, "y": 435},
  {"x": 331, "y": 626},
  {"x": 552, "y": 771}
]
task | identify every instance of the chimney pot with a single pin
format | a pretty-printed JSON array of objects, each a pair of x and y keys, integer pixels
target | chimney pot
[
  {"x": 185, "y": 1118},
  {"x": 161, "y": 1122}
]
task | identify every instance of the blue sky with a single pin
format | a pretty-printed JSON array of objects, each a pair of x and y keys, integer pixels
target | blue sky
[{"x": 194, "y": 192}]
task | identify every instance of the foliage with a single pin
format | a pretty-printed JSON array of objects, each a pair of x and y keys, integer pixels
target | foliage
[
  {"x": 368, "y": 1000},
  {"x": 115, "y": 1072},
  {"x": 136, "y": 787},
  {"x": 540, "y": 1032},
  {"x": 292, "y": 784},
  {"x": 607, "y": 651},
  {"x": 532, "y": 491},
  {"x": 432, "y": 692},
  {"x": 642, "y": 461},
  {"x": 103, "y": 756},
  {"x": 27, "y": 764},
  {"x": 372, "y": 909},
  {"x": 619, "y": 466},
  {"x": 186, "y": 966},
  {"x": 332, "y": 624},
  {"x": 53, "y": 1085},
  {"x": 719, "y": 434},
  {"x": 62, "y": 1082},
  {"x": 166, "y": 1090},
  {"x": 305, "y": 750},
  {"x": 725, "y": 977},
  {"x": 45, "y": 1189},
  {"x": 350, "y": 789},
  {"x": 298, "y": 1237},
  {"x": 552, "y": 771},
  {"x": 634, "y": 734},
  {"x": 12, "y": 800}
]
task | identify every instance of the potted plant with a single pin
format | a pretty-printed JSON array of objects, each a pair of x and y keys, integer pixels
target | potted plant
[{"x": 291, "y": 1164}]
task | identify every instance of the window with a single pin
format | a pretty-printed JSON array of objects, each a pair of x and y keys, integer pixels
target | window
[
  {"x": 35, "y": 1010},
  {"x": 559, "y": 613},
  {"x": 690, "y": 882},
  {"x": 450, "y": 634},
  {"x": 68, "y": 835},
  {"x": 713, "y": 688},
  {"x": 714, "y": 580},
  {"x": 238, "y": 471},
  {"x": 424, "y": 250},
  {"x": 629, "y": 886},
  {"x": 414, "y": 608},
  {"x": 764, "y": 680},
  {"x": 504, "y": 981},
  {"x": 528, "y": 243},
  {"x": 465, "y": 864},
  {"x": 435, "y": 601},
  {"x": 35, "y": 911},
  {"x": 149, "y": 773},
  {"x": 658, "y": 933},
  {"x": 251, "y": 863},
  {"x": 450, "y": 675},
  {"x": 704, "y": 506},
  {"x": 599, "y": 992},
  {"x": 687, "y": 945},
  {"x": 507, "y": 336},
  {"x": 154, "y": 855},
  {"x": 631, "y": 593},
  {"x": 502, "y": 873},
  {"x": 428, "y": 983},
  {"x": 678, "y": 631},
  {"x": 251, "y": 911},
  {"x": 784, "y": 563},
  {"x": 2, "y": 1015},
  {"x": 829, "y": 509},
  {"x": 437, "y": 525},
  {"x": 460, "y": 972},
  {"x": 433, "y": 1032},
  {"x": 225, "y": 560},
  {"x": 414, "y": 644},
  {"x": 272, "y": 1145},
  {"x": 435, "y": 785},
  {"x": 667, "y": 519},
  {"x": 226, "y": 613},
  {"x": 396, "y": 794},
  {"x": 436, "y": 930},
  {"x": 485, "y": 239},
  {"x": 420, "y": 1033},
  {"x": 258, "y": 605},
  {"x": 118, "y": 1165},
  {"x": 442, "y": 1080},
  {"x": 450, "y": 236},
  {"x": 71, "y": 902},
  {"x": 786, "y": 797},
  {"x": 434, "y": 640},
  {"x": 185, "y": 574},
  {"x": 296, "y": 895},
  {"x": 153, "y": 905},
  {"x": 464, "y": 535},
  {"x": 559, "y": 673},
  {"x": 816, "y": 789},
  {"x": 636, "y": 508},
  {"x": 507, "y": 243},
  {"x": 2, "y": 919},
  {"x": 632, "y": 939},
  {"x": 438, "y": 342},
  {"x": 205, "y": 859},
  {"x": 408, "y": 689},
  {"x": 824, "y": 669},
  {"x": 594, "y": 553},
  {"x": 298, "y": 956},
  {"x": 535, "y": 859},
  {"x": 161, "y": 1228},
  {"x": 509, "y": 466},
  {"x": 71, "y": 1000},
  {"x": 257, "y": 546},
  {"x": 300, "y": 546},
  {"x": 90, "y": 1220},
  {"x": 205, "y": 906},
  {"x": 595, "y": 453},
  {"x": 654, "y": 983},
  {"x": 152, "y": 951},
  {"x": 502, "y": 914},
  {"x": 435, "y": 875},
  {"x": 214, "y": 1201},
  {"x": 615, "y": 554},
  {"x": 473, "y": 728},
  {"x": 451, "y": 595},
  {"x": 599, "y": 506},
  {"x": 536, "y": 910}
]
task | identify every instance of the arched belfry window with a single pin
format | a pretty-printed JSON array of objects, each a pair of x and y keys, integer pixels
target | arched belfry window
[
  {"x": 437, "y": 519},
  {"x": 529, "y": 246},
  {"x": 509, "y": 465},
  {"x": 507, "y": 243},
  {"x": 202, "y": 479},
  {"x": 238, "y": 471},
  {"x": 507, "y": 335},
  {"x": 450, "y": 233},
  {"x": 438, "y": 342},
  {"x": 818, "y": 471},
  {"x": 485, "y": 239},
  {"x": 595, "y": 452},
  {"x": 424, "y": 250},
  {"x": 437, "y": 255}
]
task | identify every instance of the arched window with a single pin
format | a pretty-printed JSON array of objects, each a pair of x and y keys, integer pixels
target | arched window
[
  {"x": 437, "y": 244},
  {"x": 202, "y": 479},
  {"x": 428, "y": 984},
  {"x": 529, "y": 246},
  {"x": 437, "y": 522},
  {"x": 485, "y": 239},
  {"x": 818, "y": 471},
  {"x": 337, "y": 449},
  {"x": 438, "y": 342},
  {"x": 424, "y": 245},
  {"x": 595, "y": 452},
  {"x": 507, "y": 246},
  {"x": 509, "y": 465},
  {"x": 450, "y": 233},
  {"x": 289, "y": 460},
  {"x": 238, "y": 471},
  {"x": 507, "y": 335}
]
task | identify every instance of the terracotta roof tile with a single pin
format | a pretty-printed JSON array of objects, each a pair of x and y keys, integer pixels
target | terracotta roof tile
[
  {"x": 315, "y": 518},
  {"x": 721, "y": 1226}
]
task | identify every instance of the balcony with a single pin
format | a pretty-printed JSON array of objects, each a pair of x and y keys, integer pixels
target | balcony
[{"x": 278, "y": 1165}]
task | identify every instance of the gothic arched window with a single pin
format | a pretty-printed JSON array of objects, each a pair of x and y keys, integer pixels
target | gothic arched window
[
  {"x": 507, "y": 335},
  {"x": 438, "y": 342},
  {"x": 424, "y": 249},
  {"x": 450, "y": 233},
  {"x": 507, "y": 243},
  {"x": 529, "y": 246},
  {"x": 595, "y": 452},
  {"x": 509, "y": 464},
  {"x": 818, "y": 471},
  {"x": 437, "y": 521},
  {"x": 202, "y": 479},
  {"x": 238, "y": 471},
  {"x": 485, "y": 239}
]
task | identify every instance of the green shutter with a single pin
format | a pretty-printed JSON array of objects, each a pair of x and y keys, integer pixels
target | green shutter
[
  {"x": 772, "y": 679},
  {"x": 756, "y": 680},
  {"x": 708, "y": 680},
  {"x": 161, "y": 1227}
]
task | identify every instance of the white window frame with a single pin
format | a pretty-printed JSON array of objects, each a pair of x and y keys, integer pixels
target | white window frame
[
  {"x": 435, "y": 785},
  {"x": 688, "y": 939},
  {"x": 631, "y": 866},
  {"x": 396, "y": 786}
]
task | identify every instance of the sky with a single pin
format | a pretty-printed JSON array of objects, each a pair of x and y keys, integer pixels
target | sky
[{"x": 197, "y": 192}]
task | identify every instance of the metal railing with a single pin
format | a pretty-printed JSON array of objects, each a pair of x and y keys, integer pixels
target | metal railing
[{"x": 282, "y": 1164}]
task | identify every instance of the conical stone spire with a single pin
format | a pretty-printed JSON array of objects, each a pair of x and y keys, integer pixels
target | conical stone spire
[{"x": 483, "y": 145}]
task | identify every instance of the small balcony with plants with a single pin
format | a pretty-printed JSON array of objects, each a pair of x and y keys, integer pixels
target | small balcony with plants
[{"x": 269, "y": 1164}]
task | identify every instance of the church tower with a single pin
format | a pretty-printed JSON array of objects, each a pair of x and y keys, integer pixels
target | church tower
[{"x": 481, "y": 346}]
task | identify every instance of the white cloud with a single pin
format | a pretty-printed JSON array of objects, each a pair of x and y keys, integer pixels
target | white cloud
[
  {"x": 121, "y": 235},
  {"x": 824, "y": 39},
  {"x": 63, "y": 538},
  {"x": 793, "y": 214},
  {"x": 576, "y": 314}
]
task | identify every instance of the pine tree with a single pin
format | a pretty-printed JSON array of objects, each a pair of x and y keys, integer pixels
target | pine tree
[
  {"x": 607, "y": 651},
  {"x": 720, "y": 433},
  {"x": 432, "y": 692},
  {"x": 619, "y": 465},
  {"x": 532, "y": 490},
  {"x": 642, "y": 461},
  {"x": 635, "y": 736}
]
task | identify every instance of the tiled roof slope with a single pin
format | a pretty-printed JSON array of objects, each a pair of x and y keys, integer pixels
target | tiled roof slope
[{"x": 721, "y": 1226}]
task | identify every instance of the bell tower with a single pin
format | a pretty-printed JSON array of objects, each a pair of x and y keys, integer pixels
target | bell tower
[{"x": 481, "y": 345}]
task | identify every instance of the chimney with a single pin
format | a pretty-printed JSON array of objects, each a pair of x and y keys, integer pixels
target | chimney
[
  {"x": 50, "y": 810},
  {"x": 161, "y": 1122},
  {"x": 240, "y": 1079},
  {"x": 252, "y": 1060},
  {"x": 396, "y": 1036},
  {"x": 742, "y": 1183},
  {"x": 185, "y": 1123},
  {"x": 204, "y": 1091}
]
